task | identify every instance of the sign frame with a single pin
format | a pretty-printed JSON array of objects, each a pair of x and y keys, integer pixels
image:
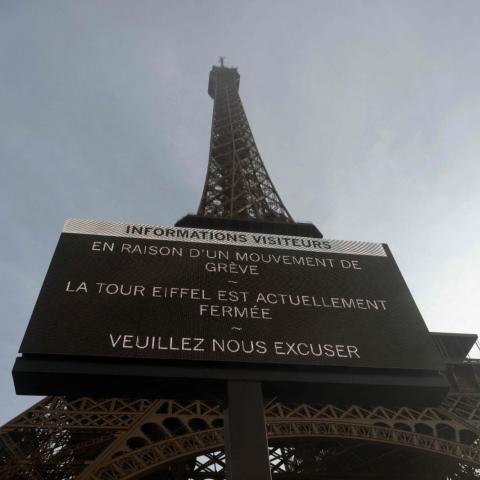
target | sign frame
[{"x": 52, "y": 375}]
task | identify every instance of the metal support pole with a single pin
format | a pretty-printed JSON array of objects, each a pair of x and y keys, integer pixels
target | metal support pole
[{"x": 246, "y": 447}]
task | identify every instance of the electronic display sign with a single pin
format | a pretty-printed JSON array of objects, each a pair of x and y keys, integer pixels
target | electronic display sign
[{"x": 152, "y": 292}]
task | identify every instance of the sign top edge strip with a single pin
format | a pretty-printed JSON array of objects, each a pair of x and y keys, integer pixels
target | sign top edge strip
[{"x": 220, "y": 237}]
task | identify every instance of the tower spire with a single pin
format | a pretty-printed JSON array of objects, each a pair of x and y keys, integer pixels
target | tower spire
[{"x": 237, "y": 184}]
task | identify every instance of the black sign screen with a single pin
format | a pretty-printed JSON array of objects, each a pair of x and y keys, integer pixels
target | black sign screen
[{"x": 119, "y": 290}]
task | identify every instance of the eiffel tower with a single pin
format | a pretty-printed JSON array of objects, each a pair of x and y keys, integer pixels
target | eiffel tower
[
  {"x": 164, "y": 438},
  {"x": 237, "y": 183}
]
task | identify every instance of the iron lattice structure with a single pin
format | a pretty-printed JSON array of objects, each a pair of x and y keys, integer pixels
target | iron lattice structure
[
  {"x": 117, "y": 439},
  {"x": 63, "y": 438},
  {"x": 237, "y": 183}
]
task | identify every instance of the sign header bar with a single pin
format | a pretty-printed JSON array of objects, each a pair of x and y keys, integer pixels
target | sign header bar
[{"x": 221, "y": 237}]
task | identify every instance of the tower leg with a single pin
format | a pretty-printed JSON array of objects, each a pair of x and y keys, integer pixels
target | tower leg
[{"x": 246, "y": 447}]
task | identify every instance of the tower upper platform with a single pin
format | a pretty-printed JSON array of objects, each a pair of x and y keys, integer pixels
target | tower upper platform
[{"x": 222, "y": 75}]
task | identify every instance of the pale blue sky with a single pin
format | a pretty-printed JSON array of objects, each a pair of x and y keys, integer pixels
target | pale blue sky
[{"x": 366, "y": 113}]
